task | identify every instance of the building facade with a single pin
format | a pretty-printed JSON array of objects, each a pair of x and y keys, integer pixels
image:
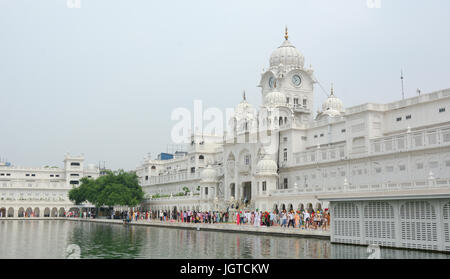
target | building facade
[
  {"x": 284, "y": 156},
  {"x": 41, "y": 192}
]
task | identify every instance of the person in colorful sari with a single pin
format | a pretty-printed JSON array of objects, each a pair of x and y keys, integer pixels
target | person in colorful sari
[{"x": 297, "y": 219}]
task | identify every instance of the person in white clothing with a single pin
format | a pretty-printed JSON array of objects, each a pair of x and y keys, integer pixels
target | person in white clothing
[{"x": 306, "y": 219}]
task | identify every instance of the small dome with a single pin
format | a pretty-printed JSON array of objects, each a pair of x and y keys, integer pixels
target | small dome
[
  {"x": 243, "y": 107},
  {"x": 266, "y": 166},
  {"x": 208, "y": 174},
  {"x": 332, "y": 106},
  {"x": 275, "y": 98},
  {"x": 288, "y": 55}
]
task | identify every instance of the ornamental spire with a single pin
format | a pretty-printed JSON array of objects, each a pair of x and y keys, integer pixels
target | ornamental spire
[
  {"x": 286, "y": 33},
  {"x": 331, "y": 89},
  {"x": 243, "y": 96}
]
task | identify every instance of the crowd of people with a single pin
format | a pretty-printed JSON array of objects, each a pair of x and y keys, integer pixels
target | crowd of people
[{"x": 304, "y": 219}]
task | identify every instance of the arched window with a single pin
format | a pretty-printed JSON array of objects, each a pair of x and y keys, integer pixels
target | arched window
[{"x": 201, "y": 157}]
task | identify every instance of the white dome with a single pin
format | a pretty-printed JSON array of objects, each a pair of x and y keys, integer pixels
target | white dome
[
  {"x": 288, "y": 55},
  {"x": 209, "y": 174},
  {"x": 243, "y": 107},
  {"x": 266, "y": 166},
  {"x": 332, "y": 106},
  {"x": 275, "y": 98}
]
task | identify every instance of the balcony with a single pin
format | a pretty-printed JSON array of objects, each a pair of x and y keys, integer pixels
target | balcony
[{"x": 300, "y": 108}]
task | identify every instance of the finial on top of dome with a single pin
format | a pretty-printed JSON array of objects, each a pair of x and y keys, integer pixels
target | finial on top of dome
[
  {"x": 332, "y": 89},
  {"x": 243, "y": 96},
  {"x": 286, "y": 33}
]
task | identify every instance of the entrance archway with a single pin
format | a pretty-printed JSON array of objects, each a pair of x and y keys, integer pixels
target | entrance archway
[
  {"x": 28, "y": 212},
  {"x": 318, "y": 207},
  {"x": 21, "y": 212},
  {"x": 10, "y": 212},
  {"x": 54, "y": 212},
  {"x": 36, "y": 212},
  {"x": 3, "y": 212},
  {"x": 61, "y": 212},
  {"x": 283, "y": 207},
  {"x": 47, "y": 212},
  {"x": 247, "y": 191},
  {"x": 275, "y": 208},
  {"x": 174, "y": 213}
]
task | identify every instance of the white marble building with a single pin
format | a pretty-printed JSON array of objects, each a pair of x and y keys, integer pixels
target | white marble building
[
  {"x": 370, "y": 148},
  {"x": 42, "y": 191}
]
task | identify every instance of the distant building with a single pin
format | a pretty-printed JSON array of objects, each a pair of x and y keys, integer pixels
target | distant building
[{"x": 41, "y": 191}]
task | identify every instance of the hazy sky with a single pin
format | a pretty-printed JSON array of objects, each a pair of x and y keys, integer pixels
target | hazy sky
[{"x": 103, "y": 79}]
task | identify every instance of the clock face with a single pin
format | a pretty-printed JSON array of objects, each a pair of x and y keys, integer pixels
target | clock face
[
  {"x": 296, "y": 80},
  {"x": 271, "y": 82}
]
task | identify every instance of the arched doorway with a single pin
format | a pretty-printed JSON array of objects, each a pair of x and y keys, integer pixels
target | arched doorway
[
  {"x": 174, "y": 213},
  {"x": 319, "y": 207},
  {"x": 54, "y": 212},
  {"x": 36, "y": 212},
  {"x": 61, "y": 212},
  {"x": 21, "y": 212},
  {"x": 301, "y": 207},
  {"x": 247, "y": 191},
  {"x": 275, "y": 208},
  {"x": 3, "y": 212},
  {"x": 290, "y": 207},
  {"x": 283, "y": 207},
  {"x": 10, "y": 212},
  {"x": 309, "y": 207},
  {"x": 28, "y": 212},
  {"x": 47, "y": 212}
]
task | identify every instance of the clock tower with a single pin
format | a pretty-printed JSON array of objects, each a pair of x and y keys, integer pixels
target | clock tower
[{"x": 288, "y": 75}]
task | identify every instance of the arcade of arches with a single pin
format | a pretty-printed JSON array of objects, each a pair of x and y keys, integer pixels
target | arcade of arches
[{"x": 21, "y": 211}]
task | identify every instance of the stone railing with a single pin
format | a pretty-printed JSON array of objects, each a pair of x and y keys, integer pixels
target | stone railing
[
  {"x": 383, "y": 187},
  {"x": 319, "y": 155},
  {"x": 171, "y": 178},
  {"x": 176, "y": 198},
  {"x": 416, "y": 140}
]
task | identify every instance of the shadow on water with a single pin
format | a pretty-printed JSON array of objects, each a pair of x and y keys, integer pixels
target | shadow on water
[{"x": 107, "y": 241}]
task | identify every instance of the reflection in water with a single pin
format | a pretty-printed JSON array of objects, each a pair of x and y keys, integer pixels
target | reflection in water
[{"x": 49, "y": 239}]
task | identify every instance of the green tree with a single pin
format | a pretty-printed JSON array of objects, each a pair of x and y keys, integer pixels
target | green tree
[{"x": 114, "y": 188}]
